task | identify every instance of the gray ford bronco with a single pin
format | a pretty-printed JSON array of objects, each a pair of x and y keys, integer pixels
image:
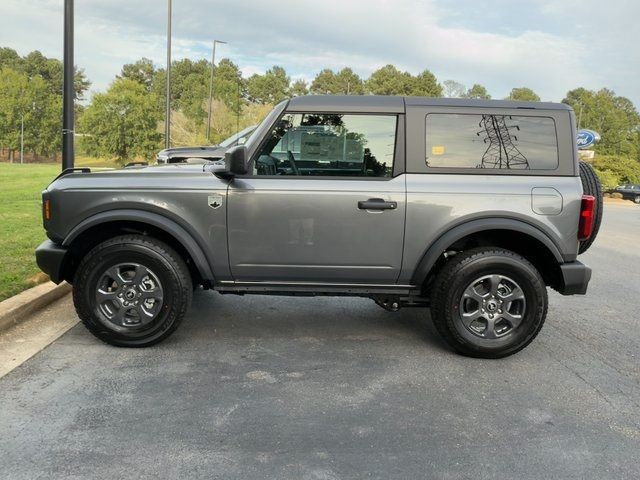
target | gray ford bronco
[{"x": 472, "y": 208}]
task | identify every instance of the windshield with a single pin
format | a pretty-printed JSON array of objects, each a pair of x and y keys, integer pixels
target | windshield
[
  {"x": 242, "y": 134},
  {"x": 262, "y": 128}
]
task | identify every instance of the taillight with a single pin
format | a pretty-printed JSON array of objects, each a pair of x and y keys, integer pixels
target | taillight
[{"x": 587, "y": 217}]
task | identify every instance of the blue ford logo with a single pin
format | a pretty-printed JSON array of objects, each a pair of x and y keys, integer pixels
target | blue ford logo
[{"x": 587, "y": 138}]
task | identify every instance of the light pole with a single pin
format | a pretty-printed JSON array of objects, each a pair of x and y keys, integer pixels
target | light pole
[
  {"x": 167, "y": 117},
  {"x": 213, "y": 61},
  {"x": 68, "y": 93},
  {"x": 22, "y": 139}
]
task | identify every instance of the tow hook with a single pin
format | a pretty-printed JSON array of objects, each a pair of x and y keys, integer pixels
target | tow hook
[{"x": 391, "y": 304}]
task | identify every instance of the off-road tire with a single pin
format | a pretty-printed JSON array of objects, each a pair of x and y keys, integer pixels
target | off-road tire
[
  {"x": 462, "y": 270},
  {"x": 170, "y": 269},
  {"x": 591, "y": 186}
]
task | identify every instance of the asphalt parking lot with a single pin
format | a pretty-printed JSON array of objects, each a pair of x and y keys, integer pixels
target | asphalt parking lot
[{"x": 331, "y": 388}]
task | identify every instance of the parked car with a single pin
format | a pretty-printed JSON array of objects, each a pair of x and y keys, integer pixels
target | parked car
[
  {"x": 470, "y": 207},
  {"x": 629, "y": 192},
  {"x": 211, "y": 153}
]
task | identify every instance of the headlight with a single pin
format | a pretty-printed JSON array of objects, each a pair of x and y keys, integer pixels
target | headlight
[{"x": 162, "y": 157}]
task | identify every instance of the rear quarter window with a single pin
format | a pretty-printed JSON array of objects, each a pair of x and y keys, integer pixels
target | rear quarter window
[{"x": 491, "y": 142}]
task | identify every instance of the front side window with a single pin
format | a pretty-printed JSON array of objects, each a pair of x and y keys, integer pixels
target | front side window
[
  {"x": 488, "y": 141},
  {"x": 316, "y": 144}
]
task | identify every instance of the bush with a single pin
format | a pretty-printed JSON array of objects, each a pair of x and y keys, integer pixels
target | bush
[{"x": 614, "y": 170}]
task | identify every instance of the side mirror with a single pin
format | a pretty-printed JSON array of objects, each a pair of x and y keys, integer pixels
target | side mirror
[{"x": 236, "y": 161}]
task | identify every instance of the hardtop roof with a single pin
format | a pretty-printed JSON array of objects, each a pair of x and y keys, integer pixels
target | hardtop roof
[{"x": 396, "y": 104}]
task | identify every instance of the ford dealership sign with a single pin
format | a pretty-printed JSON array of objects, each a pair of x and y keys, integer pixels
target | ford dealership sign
[{"x": 587, "y": 138}]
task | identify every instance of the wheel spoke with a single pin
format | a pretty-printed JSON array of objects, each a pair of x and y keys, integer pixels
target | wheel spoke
[
  {"x": 513, "y": 319},
  {"x": 103, "y": 296},
  {"x": 494, "y": 282},
  {"x": 155, "y": 294},
  {"x": 472, "y": 293},
  {"x": 118, "y": 316},
  {"x": 140, "y": 273},
  {"x": 490, "y": 331},
  {"x": 469, "y": 317},
  {"x": 515, "y": 294},
  {"x": 143, "y": 312}
]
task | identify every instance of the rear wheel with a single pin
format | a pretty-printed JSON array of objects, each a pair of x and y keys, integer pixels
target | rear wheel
[
  {"x": 636, "y": 199},
  {"x": 132, "y": 291},
  {"x": 488, "y": 303}
]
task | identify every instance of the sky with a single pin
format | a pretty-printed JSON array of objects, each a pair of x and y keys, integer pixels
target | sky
[{"x": 550, "y": 46}]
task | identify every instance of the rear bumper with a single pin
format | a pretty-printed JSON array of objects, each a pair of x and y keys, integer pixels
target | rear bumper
[
  {"x": 50, "y": 259},
  {"x": 575, "y": 278}
]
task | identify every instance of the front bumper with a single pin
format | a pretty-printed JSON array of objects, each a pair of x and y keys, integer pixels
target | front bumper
[
  {"x": 50, "y": 258},
  {"x": 575, "y": 278}
]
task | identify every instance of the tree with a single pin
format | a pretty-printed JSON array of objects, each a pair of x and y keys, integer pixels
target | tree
[
  {"x": 270, "y": 88},
  {"x": 141, "y": 71},
  {"x": 348, "y": 83},
  {"x": 298, "y": 88},
  {"x": 388, "y": 80},
  {"x": 523, "y": 94},
  {"x": 324, "y": 83},
  {"x": 190, "y": 86},
  {"x": 50, "y": 69},
  {"x": 477, "y": 91},
  {"x": 426, "y": 85},
  {"x": 122, "y": 122},
  {"x": 453, "y": 89},
  {"x": 614, "y": 118},
  {"x": 345, "y": 82},
  {"x": 30, "y": 99}
]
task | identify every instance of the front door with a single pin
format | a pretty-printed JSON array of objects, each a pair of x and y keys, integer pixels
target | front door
[{"x": 322, "y": 205}]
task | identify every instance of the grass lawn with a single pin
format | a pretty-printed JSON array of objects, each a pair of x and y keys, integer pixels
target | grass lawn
[{"x": 21, "y": 221}]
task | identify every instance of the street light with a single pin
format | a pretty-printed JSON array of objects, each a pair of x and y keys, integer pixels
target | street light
[
  {"x": 213, "y": 61},
  {"x": 167, "y": 117}
]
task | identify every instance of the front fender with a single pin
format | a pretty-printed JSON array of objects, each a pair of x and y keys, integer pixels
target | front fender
[{"x": 195, "y": 250}]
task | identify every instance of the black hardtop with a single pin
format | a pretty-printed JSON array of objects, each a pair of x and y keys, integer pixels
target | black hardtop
[{"x": 396, "y": 104}]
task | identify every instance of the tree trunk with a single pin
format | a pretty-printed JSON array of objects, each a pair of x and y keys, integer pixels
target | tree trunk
[{"x": 10, "y": 155}]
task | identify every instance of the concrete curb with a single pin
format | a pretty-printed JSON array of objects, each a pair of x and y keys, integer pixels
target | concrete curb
[{"x": 17, "y": 308}]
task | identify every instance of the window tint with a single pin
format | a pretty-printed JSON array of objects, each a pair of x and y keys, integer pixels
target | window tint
[
  {"x": 491, "y": 142},
  {"x": 310, "y": 144}
]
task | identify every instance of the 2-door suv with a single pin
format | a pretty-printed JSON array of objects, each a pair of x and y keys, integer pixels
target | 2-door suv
[{"x": 471, "y": 208}]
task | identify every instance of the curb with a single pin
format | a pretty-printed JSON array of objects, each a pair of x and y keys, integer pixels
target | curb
[{"x": 15, "y": 309}]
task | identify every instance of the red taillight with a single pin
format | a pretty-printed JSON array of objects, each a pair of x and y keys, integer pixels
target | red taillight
[{"x": 587, "y": 217}]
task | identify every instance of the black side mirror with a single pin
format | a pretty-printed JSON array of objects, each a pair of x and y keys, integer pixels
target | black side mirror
[{"x": 236, "y": 161}]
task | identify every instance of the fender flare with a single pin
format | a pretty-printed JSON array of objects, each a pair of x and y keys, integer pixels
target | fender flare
[
  {"x": 458, "y": 232},
  {"x": 154, "y": 219}
]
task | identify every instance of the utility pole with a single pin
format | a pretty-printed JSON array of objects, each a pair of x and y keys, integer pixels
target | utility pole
[
  {"x": 22, "y": 139},
  {"x": 213, "y": 61},
  {"x": 68, "y": 94},
  {"x": 167, "y": 117}
]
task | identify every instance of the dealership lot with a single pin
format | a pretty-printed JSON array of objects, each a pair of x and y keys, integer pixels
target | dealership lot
[{"x": 332, "y": 388}]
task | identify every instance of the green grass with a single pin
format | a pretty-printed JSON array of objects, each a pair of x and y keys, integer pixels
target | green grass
[{"x": 21, "y": 221}]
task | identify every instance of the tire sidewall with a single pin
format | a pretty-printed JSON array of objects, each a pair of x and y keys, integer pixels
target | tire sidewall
[
  {"x": 534, "y": 290},
  {"x": 89, "y": 275}
]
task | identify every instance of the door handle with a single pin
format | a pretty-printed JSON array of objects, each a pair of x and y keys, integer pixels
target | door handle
[{"x": 377, "y": 204}]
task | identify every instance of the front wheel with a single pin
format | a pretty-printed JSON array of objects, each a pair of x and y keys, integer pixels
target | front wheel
[
  {"x": 132, "y": 291},
  {"x": 636, "y": 199},
  {"x": 488, "y": 302}
]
